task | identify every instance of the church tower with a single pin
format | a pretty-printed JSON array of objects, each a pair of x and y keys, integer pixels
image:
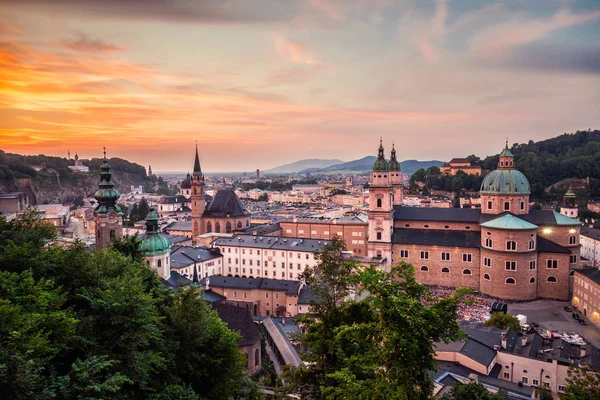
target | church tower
[
  {"x": 198, "y": 199},
  {"x": 155, "y": 246},
  {"x": 381, "y": 212},
  {"x": 395, "y": 178},
  {"x": 107, "y": 215},
  {"x": 569, "y": 205}
]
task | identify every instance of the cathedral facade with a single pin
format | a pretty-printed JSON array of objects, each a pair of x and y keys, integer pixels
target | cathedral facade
[{"x": 504, "y": 249}]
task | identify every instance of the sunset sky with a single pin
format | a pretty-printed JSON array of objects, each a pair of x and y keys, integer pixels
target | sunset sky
[{"x": 260, "y": 83}]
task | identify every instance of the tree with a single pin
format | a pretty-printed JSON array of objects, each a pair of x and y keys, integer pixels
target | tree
[
  {"x": 378, "y": 346},
  {"x": 503, "y": 321},
  {"x": 263, "y": 197},
  {"x": 433, "y": 171},
  {"x": 473, "y": 391},
  {"x": 582, "y": 383},
  {"x": 419, "y": 176},
  {"x": 129, "y": 246}
]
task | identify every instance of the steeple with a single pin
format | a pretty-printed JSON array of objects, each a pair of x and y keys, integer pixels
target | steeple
[
  {"x": 149, "y": 170},
  {"x": 197, "y": 169},
  {"x": 506, "y": 160},
  {"x": 106, "y": 195},
  {"x": 394, "y": 164},
  {"x": 381, "y": 164}
]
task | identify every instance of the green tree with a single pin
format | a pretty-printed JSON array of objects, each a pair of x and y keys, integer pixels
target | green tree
[
  {"x": 473, "y": 391},
  {"x": 503, "y": 321},
  {"x": 378, "y": 346},
  {"x": 419, "y": 176},
  {"x": 129, "y": 246},
  {"x": 582, "y": 383}
]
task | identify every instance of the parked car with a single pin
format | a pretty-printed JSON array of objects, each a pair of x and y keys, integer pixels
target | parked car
[
  {"x": 575, "y": 316},
  {"x": 568, "y": 309},
  {"x": 582, "y": 322}
]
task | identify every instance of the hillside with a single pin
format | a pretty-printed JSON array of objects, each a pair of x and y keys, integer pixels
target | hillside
[
  {"x": 311, "y": 163},
  {"x": 55, "y": 182},
  {"x": 366, "y": 163}
]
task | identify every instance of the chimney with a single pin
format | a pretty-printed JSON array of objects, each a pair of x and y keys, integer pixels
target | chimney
[
  {"x": 503, "y": 339},
  {"x": 207, "y": 283},
  {"x": 582, "y": 351},
  {"x": 523, "y": 340}
]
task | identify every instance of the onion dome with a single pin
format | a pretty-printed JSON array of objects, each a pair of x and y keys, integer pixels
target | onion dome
[
  {"x": 394, "y": 164},
  {"x": 381, "y": 165},
  {"x": 187, "y": 182},
  {"x": 106, "y": 195},
  {"x": 154, "y": 242}
]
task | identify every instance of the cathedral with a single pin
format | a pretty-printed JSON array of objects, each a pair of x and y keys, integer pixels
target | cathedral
[{"x": 504, "y": 250}]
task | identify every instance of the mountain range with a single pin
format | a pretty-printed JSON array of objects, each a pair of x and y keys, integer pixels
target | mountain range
[{"x": 357, "y": 166}]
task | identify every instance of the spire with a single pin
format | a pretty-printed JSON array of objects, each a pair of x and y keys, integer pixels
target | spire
[
  {"x": 393, "y": 155},
  {"x": 380, "y": 154},
  {"x": 150, "y": 170},
  {"x": 197, "y": 170},
  {"x": 68, "y": 154},
  {"x": 106, "y": 195}
]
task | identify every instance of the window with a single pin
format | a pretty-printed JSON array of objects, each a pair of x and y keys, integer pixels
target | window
[
  {"x": 424, "y": 268},
  {"x": 561, "y": 388},
  {"x": 267, "y": 295},
  {"x": 510, "y": 265},
  {"x": 535, "y": 382},
  {"x": 403, "y": 253},
  {"x": 551, "y": 279},
  {"x": 425, "y": 226},
  {"x": 486, "y": 277},
  {"x": 487, "y": 261},
  {"x": 572, "y": 240},
  {"x": 245, "y": 295},
  {"x": 406, "y": 225},
  {"x": 467, "y": 257},
  {"x": 522, "y": 205},
  {"x": 467, "y": 271},
  {"x": 511, "y": 245},
  {"x": 531, "y": 245},
  {"x": 378, "y": 235},
  {"x": 489, "y": 205},
  {"x": 424, "y": 255},
  {"x": 532, "y": 265},
  {"x": 506, "y": 205},
  {"x": 445, "y": 256},
  {"x": 378, "y": 202},
  {"x": 506, "y": 375},
  {"x": 159, "y": 263},
  {"x": 228, "y": 227},
  {"x": 510, "y": 281},
  {"x": 234, "y": 294},
  {"x": 446, "y": 226},
  {"x": 546, "y": 384},
  {"x": 525, "y": 380},
  {"x": 445, "y": 270},
  {"x": 552, "y": 264},
  {"x": 532, "y": 280},
  {"x": 488, "y": 243}
]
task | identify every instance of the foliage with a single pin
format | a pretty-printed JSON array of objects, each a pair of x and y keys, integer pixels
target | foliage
[
  {"x": 582, "y": 383},
  {"x": 263, "y": 197},
  {"x": 543, "y": 393},
  {"x": 129, "y": 246},
  {"x": 473, "y": 391},
  {"x": 378, "y": 347},
  {"x": 435, "y": 180},
  {"x": 166, "y": 191},
  {"x": 139, "y": 211},
  {"x": 337, "y": 191},
  {"x": 99, "y": 324},
  {"x": 503, "y": 321}
]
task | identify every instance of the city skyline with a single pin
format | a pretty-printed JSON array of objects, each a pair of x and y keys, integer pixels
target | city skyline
[{"x": 258, "y": 87}]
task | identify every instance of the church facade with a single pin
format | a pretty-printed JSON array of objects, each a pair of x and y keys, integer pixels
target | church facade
[{"x": 504, "y": 250}]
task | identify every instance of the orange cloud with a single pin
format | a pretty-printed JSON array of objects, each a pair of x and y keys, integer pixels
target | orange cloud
[{"x": 294, "y": 51}]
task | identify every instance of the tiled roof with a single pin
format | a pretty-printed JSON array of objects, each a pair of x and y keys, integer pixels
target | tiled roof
[
  {"x": 175, "y": 281},
  {"x": 590, "y": 232},
  {"x": 546, "y": 246},
  {"x": 179, "y": 199},
  {"x": 290, "y": 287},
  {"x": 179, "y": 226},
  {"x": 591, "y": 273},
  {"x": 437, "y": 214},
  {"x": 273, "y": 242},
  {"x": 437, "y": 237},
  {"x": 225, "y": 203},
  {"x": 238, "y": 319},
  {"x": 509, "y": 222},
  {"x": 548, "y": 217},
  {"x": 184, "y": 256}
]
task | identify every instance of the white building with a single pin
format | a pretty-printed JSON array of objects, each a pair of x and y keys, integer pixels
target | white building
[
  {"x": 196, "y": 262},
  {"x": 590, "y": 244}
]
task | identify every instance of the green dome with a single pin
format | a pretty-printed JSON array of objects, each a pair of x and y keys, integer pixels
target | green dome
[
  {"x": 381, "y": 165},
  {"x": 394, "y": 165},
  {"x": 505, "y": 181},
  {"x": 154, "y": 242}
]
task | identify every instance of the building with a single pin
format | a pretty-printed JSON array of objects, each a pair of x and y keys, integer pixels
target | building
[
  {"x": 460, "y": 164},
  {"x": 78, "y": 165},
  {"x": 107, "y": 214},
  {"x": 171, "y": 206},
  {"x": 569, "y": 206},
  {"x": 266, "y": 256},
  {"x": 196, "y": 262},
  {"x": 504, "y": 250},
  {"x": 306, "y": 188},
  {"x": 14, "y": 202},
  {"x": 239, "y": 320},
  {"x": 590, "y": 244},
  {"x": 262, "y": 296},
  {"x": 353, "y": 230},
  {"x": 586, "y": 293},
  {"x": 156, "y": 246},
  {"x": 56, "y": 214}
]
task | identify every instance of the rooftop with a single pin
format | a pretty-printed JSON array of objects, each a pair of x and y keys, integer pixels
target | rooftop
[
  {"x": 591, "y": 273},
  {"x": 470, "y": 215},
  {"x": 184, "y": 256},
  {"x": 290, "y": 287},
  {"x": 590, "y": 232},
  {"x": 238, "y": 319},
  {"x": 225, "y": 204},
  {"x": 509, "y": 222},
  {"x": 272, "y": 242},
  {"x": 437, "y": 237}
]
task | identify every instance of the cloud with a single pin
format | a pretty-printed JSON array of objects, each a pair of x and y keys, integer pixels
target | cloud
[
  {"x": 554, "y": 58},
  {"x": 86, "y": 44},
  {"x": 294, "y": 51}
]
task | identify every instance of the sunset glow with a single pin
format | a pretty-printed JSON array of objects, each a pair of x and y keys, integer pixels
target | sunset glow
[{"x": 262, "y": 86}]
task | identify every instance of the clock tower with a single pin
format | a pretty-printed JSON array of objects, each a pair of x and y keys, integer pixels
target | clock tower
[{"x": 107, "y": 215}]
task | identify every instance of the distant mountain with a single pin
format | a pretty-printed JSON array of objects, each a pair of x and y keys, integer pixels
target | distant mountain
[
  {"x": 366, "y": 163},
  {"x": 312, "y": 163}
]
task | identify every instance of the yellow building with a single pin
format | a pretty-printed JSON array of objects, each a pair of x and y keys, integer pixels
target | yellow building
[{"x": 460, "y": 164}]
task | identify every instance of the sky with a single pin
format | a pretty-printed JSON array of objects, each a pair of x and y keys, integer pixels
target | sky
[{"x": 260, "y": 83}]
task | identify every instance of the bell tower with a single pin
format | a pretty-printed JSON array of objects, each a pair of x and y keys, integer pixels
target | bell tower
[
  {"x": 569, "y": 205},
  {"x": 107, "y": 215},
  {"x": 198, "y": 199},
  {"x": 381, "y": 212},
  {"x": 395, "y": 178}
]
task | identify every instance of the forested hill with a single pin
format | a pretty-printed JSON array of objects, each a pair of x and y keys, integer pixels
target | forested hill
[
  {"x": 57, "y": 183},
  {"x": 544, "y": 163}
]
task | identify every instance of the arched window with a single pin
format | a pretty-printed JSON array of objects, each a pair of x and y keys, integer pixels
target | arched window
[
  {"x": 486, "y": 277},
  {"x": 159, "y": 263},
  {"x": 217, "y": 227},
  {"x": 247, "y": 224},
  {"x": 147, "y": 262},
  {"x": 208, "y": 227},
  {"x": 531, "y": 245},
  {"x": 445, "y": 270},
  {"x": 239, "y": 224},
  {"x": 572, "y": 239},
  {"x": 467, "y": 271},
  {"x": 378, "y": 202},
  {"x": 511, "y": 245},
  {"x": 488, "y": 243},
  {"x": 551, "y": 279},
  {"x": 510, "y": 281},
  {"x": 424, "y": 268},
  {"x": 256, "y": 358},
  {"x": 572, "y": 273},
  {"x": 532, "y": 280},
  {"x": 112, "y": 234},
  {"x": 228, "y": 227}
]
